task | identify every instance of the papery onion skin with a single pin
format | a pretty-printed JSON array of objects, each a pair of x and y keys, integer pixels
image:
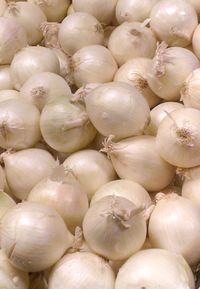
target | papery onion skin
[
  {"x": 170, "y": 68},
  {"x": 22, "y": 11},
  {"x": 91, "y": 168},
  {"x": 131, "y": 40},
  {"x": 5, "y": 78},
  {"x": 62, "y": 192},
  {"x": 55, "y": 10},
  {"x": 82, "y": 270},
  {"x": 11, "y": 277},
  {"x": 104, "y": 10},
  {"x": 137, "y": 159},
  {"x": 44, "y": 87},
  {"x": 114, "y": 228},
  {"x": 34, "y": 236},
  {"x": 125, "y": 189},
  {"x": 190, "y": 90},
  {"x": 31, "y": 60},
  {"x": 134, "y": 72},
  {"x": 158, "y": 113},
  {"x": 79, "y": 30},
  {"x": 93, "y": 63},
  {"x": 134, "y": 10},
  {"x": 65, "y": 126},
  {"x": 174, "y": 22},
  {"x": 173, "y": 271},
  {"x": 174, "y": 219},
  {"x": 24, "y": 169},
  {"x": 13, "y": 38},
  {"x": 19, "y": 124},
  {"x": 109, "y": 117},
  {"x": 178, "y": 138}
]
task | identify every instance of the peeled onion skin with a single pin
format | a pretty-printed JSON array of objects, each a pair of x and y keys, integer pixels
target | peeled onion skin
[
  {"x": 39, "y": 251},
  {"x": 114, "y": 228}
]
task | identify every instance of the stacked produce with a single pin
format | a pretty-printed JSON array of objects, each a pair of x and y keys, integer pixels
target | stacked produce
[{"x": 99, "y": 144}]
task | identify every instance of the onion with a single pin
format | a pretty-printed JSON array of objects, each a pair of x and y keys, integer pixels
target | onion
[
  {"x": 171, "y": 222},
  {"x": 12, "y": 39},
  {"x": 174, "y": 22},
  {"x": 79, "y": 30},
  {"x": 54, "y": 10},
  {"x": 178, "y": 138},
  {"x": 70, "y": 10},
  {"x": 44, "y": 87},
  {"x": 62, "y": 192},
  {"x": 155, "y": 268},
  {"x": 196, "y": 42},
  {"x": 104, "y": 10},
  {"x": 190, "y": 90},
  {"x": 65, "y": 65},
  {"x": 19, "y": 124},
  {"x": 137, "y": 159},
  {"x": 114, "y": 228},
  {"x": 82, "y": 270},
  {"x": 34, "y": 236},
  {"x": 50, "y": 33},
  {"x": 23, "y": 12},
  {"x": 109, "y": 116},
  {"x": 91, "y": 168},
  {"x": 170, "y": 68},
  {"x": 125, "y": 189},
  {"x": 65, "y": 126},
  {"x": 134, "y": 10},
  {"x": 158, "y": 113},
  {"x": 3, "y": 7},
  {"x": 24, "y": 169},
  {"x": 131, "y": 40},
  {"x": 5, "y": 78},
  {"x": 93, "y": 63},
  {"x": 6, "y": 202},
  {"x": 8, "y": 94},
  {"x": 11, "y": 277},
  {"x": 31, "y": 60},
  {"x": 134, "y": 72},
  {"x": 190, "y": 190}
]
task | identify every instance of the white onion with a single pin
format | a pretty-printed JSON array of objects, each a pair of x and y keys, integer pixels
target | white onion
[
  {"x": 196, "y": 42},
  {"x": 55, "y": 10},
  {"x": 3, "y": 7},
  {"x": 62, "y": 192},
  {"x": 12, "y": 39},
  {"x": 82, "y": 270},
  {"x": 109, "y": 116},
  {"x": 169, "y": 69},
  {"x": 93, "y": 63},
  {"x": 19, "y": 124},
  {"x": 65, "y": 126},
  {"x": 65, "y": 65},
  {"x": 131, "y": 40},
  {"x": 6, "y": 202},
  {"x": 178, "y": 138},
  {"x": 44, "y": 87},
  {"x": 158, "y": 113},
  {"x": 155, "y": 268},
  {"x": 31, "y": 60},
  {"x": 134, "y": 10},
  {"x": 23, "y": 12},
  {"x": 103, "y": 10},
  {"x": 174, "y": 22},
  {"x": 114, "y": 228},
  {"x": 125, "y": 189},
  {"x": 79, "y": 30},
  {"x": 190, "y": 90},
  {"x": 5, "y": 78},
  {"x": 34, "y": 236},
  {"x": 175, "y": 226},
  {"x": 134, "y": 72},
  {"x": 24, "y": 169},
  {"x": 11, "y": 277},
  {"x": 70, "y": 10},
  {"x": 8, "y": 94},
  {"x": 91, "y": 168},
  {"x": 137, "y": 159}
]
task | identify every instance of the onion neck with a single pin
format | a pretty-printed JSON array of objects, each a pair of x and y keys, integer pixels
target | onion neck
[
  {"x": 108, "y": 146},
  {"x": 50, "y": 32},
  {"x": 161, "y": 196},
  {"x": 159, "y": 60}
]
